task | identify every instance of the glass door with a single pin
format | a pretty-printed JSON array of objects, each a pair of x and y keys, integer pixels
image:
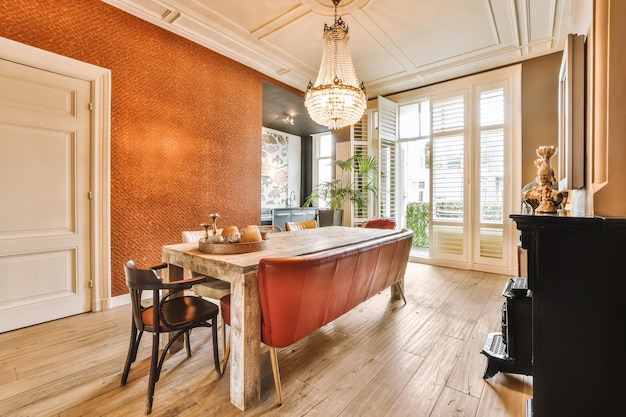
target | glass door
[{"x": 456, "y": 170}]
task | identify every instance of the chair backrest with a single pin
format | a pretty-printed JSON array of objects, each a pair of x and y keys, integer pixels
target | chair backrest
[
  {"x": 380, "y": 223},
  {"x": 192, "y": 235},
  {"x": 141, "y": 279},
  {"x": 307, "y": 224},
  {"x": 137, "y": 281},
  {"x": 274, "y": 228}
]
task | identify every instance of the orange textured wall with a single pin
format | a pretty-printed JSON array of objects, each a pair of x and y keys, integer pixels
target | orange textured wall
[{"x": 185, "y": 122}]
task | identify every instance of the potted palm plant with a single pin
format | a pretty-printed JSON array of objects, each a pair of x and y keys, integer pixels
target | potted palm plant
[{"x": 335, "y": 193}]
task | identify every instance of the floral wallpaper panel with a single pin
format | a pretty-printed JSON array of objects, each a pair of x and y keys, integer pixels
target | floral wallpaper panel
[{"x": 274, "y": 169}]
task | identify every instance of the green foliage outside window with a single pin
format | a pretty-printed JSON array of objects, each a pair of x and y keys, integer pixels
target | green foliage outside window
[
  {"x": 417, "y": 220},
  {"x": 492, "y": 213},
  {"x": 449, "y": 210}
]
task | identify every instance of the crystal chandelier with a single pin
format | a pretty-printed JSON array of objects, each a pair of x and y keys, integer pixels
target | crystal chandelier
[{"x": 336, "y": 99}]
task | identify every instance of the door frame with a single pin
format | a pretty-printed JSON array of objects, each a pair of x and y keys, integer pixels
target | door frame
[
  {"x": 100, "y": 141},
  {"x": 511, "y": 76}
]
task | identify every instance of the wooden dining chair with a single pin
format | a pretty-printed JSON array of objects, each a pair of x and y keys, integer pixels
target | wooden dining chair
[
  {"x": 273, "y": 228},
  {"x": 173, "y": 312},
  {"x": 307, "y": 224},
  {"x": 211, "y": 288}
]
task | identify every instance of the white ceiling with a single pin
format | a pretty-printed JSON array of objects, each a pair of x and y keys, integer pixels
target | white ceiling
[{"x": 396, "y": 45}]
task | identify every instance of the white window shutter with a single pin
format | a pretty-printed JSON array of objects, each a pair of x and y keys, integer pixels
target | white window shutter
[
  {"x": 448, "y": 176},
  {"x": 387, "y": 152},
  {"x": 360, "y": 144}
]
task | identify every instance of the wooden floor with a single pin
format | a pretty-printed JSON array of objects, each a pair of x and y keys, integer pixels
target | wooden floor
[{"x": 383, "y": 358}]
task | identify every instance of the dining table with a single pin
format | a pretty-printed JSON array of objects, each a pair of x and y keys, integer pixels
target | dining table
[{"x": 240, "y": 270}]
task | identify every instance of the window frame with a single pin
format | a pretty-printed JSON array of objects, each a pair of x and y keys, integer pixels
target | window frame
[{"x": 316, "y": 157}]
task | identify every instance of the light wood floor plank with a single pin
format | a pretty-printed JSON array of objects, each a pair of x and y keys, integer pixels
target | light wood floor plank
[
  {"x": 496, "y": 400},
  {"x": 453, "y": 403},
  {"x": 467, "y": 375},
  {"x": 378, "y": 396},
  {"x": 468, "y": 311},
  {"x": 384, "y": 358}
]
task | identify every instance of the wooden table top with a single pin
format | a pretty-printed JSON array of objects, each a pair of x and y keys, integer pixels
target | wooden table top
[{"x": 285, "y": 244}]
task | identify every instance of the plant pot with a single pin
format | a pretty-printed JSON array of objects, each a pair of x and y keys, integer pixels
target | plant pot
[{"x": 330, "y": 217}]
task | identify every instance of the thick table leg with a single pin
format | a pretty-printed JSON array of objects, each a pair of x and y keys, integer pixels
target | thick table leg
[{"x": 245, "y": 363}]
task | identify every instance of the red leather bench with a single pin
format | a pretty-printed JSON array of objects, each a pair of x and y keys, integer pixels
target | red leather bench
[{"x": 300, "y": 294}]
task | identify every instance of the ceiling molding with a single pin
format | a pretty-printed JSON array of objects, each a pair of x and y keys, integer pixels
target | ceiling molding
[
  {"x": 397, "y": 46},
  {"x": 420, "y": 41}
]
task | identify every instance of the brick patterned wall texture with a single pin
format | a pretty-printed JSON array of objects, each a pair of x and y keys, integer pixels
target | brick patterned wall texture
[{"x": 185, "y": 123}]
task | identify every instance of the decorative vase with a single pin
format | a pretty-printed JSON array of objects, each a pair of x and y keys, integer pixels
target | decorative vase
[
  {"x": 330, "y": 218},
  {"x": 541, "y": 197}
]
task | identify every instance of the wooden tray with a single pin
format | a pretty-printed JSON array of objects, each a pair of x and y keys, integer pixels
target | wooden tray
[{"x": 232, "y": 248}]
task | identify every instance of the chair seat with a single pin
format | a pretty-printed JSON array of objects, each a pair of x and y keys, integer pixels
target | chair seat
[
  {"x": 181, "y": 310},
  {"x": 213, "y": 288}
]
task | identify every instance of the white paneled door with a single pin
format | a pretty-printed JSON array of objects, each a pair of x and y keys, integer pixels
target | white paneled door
[{"x": 44, "y": 196}]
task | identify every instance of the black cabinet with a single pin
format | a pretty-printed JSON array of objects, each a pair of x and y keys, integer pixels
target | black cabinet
[{"x": 576, "y": 275}]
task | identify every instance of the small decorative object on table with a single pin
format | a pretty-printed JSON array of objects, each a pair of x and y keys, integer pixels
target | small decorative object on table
[
  {"x": 233, "y": 241},
  {"x": 231, "y": 234},
  {"x": 214, "y": 216},
  {"x": 250, "y": 234},
  {"x": 206, "y": 227},
  {"x": 214, "y": 237},
  {"x": 542, "y": 197}
]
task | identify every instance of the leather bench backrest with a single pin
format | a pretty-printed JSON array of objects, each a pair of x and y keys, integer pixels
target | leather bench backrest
[
  {"x": 300, "y": 294},
  {"x": 380, "y": 223}
]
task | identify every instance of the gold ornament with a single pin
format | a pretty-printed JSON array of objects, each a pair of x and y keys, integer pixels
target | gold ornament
[{"x": 542, "y": 198}]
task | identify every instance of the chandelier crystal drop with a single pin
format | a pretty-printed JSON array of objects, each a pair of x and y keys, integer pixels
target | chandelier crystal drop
[{"x": 336, "y": 99}]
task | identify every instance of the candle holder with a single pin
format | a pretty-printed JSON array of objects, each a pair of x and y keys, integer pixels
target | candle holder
[
  {"x": 206, "y": 227},
  {"x": 214, "y": 216},
  {"x": 212, "y": 226}
]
